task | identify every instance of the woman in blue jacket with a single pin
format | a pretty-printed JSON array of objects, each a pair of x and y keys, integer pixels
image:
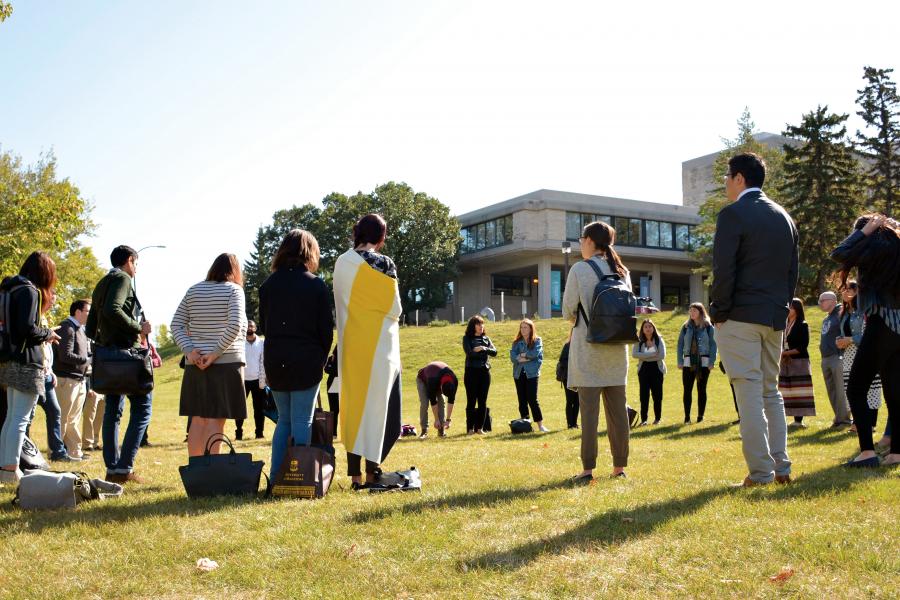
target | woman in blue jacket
[
  {"x": 527, "y": 354},
  {"x": 696, "y": 356}
]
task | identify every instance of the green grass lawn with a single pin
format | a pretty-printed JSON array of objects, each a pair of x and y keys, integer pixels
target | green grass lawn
[{"x": 495, "y": 517}]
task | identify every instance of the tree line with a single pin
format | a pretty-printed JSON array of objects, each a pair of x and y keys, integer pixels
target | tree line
[
  {"x": 823, "y": 176},
  {"x": 422, "y": 239}
]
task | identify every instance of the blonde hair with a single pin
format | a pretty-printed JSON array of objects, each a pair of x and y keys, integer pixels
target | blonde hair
[{"x": 532, "y": 336}]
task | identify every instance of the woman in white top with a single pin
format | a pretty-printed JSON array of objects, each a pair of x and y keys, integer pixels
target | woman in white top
[
  {"x": 597, "y": 369},
  {"x": 209, "y": 327}
]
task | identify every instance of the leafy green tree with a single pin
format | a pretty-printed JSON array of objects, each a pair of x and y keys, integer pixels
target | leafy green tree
[
  {"x": 880, "y": 109},
  {"x": 6, "y": 10},
  {"x": 40, "y": 211},
  {"x": 703, "y": 234},
  {"x": 821, "y": 190}
]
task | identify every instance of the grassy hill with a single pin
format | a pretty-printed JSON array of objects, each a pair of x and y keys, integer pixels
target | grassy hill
[{"x": 496, "y": 517}]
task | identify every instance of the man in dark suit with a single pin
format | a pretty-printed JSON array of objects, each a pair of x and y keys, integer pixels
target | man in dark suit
[{"x": 755, "y": 269}]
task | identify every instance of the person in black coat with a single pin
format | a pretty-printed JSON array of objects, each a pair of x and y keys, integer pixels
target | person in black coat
[
  {"x": 795, "y": 378},
  {"x": 477, "y": 378},
  {"x": 295, "y": 317}
]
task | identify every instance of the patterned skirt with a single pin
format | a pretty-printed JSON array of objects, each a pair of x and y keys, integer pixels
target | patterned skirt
[
  {"x": 795, "y": 385},
  {"x": 873, "y": 398}
]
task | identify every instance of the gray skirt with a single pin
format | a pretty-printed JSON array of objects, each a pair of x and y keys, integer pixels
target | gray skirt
[
  {"x": 25, "y": 378},
  {"x": 216, "y": 393}
]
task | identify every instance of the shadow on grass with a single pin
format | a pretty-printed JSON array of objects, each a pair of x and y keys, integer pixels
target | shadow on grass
[
  {"x": 698, "y": 431},
  {"x": 469, "y": 500},
  {"x": 820, "y": 437},
  {"x": 112, "y": 511},
  {"x": 617, "y": 525}
]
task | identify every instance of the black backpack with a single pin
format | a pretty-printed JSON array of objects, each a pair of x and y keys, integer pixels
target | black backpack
[
  {"x": 612, "y": 312},
  {"x": 7, "y": 348}
]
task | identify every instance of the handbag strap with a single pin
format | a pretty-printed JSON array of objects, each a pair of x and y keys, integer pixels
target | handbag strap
[{"x": 221, "y": 437}]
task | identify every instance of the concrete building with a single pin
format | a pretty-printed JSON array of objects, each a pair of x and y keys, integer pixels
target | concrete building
[{"x": 512, "y": 259}]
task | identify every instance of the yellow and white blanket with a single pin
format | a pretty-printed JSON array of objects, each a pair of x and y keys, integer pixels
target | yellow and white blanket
[{"x": 367, "y": 304}]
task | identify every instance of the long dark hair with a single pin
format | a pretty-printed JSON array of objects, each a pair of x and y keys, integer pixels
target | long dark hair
[
  {"x": 604, "y": 236},
  {"x": 40, "y": 270},
  {"x": 225, "y": 268},
  {"x": 299, "y": 248},
  {"x": 797, "y": 305},
  {"x": 470, "y": 326},
  {"x": 370, "y": 229},
  {"x": 876, "y": 259},
  {"x": 846, "y": 307},
  {"x": 642, "y": 338}
]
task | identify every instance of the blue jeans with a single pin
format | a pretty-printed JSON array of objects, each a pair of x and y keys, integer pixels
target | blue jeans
[
  {"x": 295, "y": 417},
  {"x": 122, "y": 461},
  {"x": 50, "y": 405},
  {"x": 18, "y": 413}
]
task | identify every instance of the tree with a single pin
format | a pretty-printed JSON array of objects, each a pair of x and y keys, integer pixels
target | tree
[
  {"x": 255, "y": 273},
  {"x": 702, "y": 237},
  {"x": 821, "y": 190},
  {"x": 40, "y": 211},
  {"x": 6, "y": 10},
  {"x": 880, "y": 109}
]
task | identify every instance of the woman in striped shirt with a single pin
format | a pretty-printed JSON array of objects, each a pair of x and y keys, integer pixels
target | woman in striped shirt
[{"x": 209, "y": 327}]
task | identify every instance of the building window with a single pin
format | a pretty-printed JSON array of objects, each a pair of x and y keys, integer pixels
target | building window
[
  {"x": 665, "y": 235},
  {"x": 683, "y": 237},
  {"x": 635, "y": 237},
  {"x": 652, "y": 232},
  {"x": 510, "y": 285},
  {"x": 489, "y": 234},
  {"x": 671, "y": 295},
  {"x": 573, "y": 226}
]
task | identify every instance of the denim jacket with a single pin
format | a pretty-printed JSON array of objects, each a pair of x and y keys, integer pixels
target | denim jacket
[
  {"x": 706, "y": 343},
  {"x": 857, "y": 323},
  {"x": 534, "y": 355}
]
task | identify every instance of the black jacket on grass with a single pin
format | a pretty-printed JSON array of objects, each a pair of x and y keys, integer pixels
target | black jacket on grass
[{"x": 296, "y": 319}]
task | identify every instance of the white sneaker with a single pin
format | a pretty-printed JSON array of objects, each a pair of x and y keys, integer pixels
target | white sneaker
[{"x": 543, "y": 429}]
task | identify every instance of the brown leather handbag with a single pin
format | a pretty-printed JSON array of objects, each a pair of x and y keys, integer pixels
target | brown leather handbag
[{"x": 307, "y": 471}]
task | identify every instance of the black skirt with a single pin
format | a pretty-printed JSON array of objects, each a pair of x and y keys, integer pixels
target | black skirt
[{"x": 216, "y": 393}]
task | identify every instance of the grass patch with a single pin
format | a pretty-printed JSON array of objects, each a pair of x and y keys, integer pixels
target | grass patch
[{"x": 495, "y": 518}]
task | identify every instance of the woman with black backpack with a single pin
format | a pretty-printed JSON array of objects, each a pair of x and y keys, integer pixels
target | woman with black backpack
[
  {"x": 597, "y": 370},
  {"x": 23, "y": 370}
]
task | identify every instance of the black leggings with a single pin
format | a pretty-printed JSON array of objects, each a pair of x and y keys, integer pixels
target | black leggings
[
  {"x": 526, "y": 390},
  {"x": 478, "y": 383},
  {"x": 572, "y": 407},
  {"x": 252, "y": 388},
  {"x": 687, "y": 378},
  {"x": 354, "y": 465},
  {"x": 651, "y": 382},
  {"x": 878, "y": 352}
]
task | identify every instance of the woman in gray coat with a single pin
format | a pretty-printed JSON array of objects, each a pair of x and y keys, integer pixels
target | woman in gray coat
[{"x": 597, "y": 369}]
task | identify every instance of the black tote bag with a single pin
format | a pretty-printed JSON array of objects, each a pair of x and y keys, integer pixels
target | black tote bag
[
  {"x": 127, "y": 371},
  {"x": 230, "y": 474}
]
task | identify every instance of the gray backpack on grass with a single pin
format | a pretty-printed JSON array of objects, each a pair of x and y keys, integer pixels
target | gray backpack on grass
[{"x": 46, "y": 490}]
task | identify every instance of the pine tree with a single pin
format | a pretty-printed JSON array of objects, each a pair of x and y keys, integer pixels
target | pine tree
[
  {"x": 702, "y": 237},
  {"x": 255, "y": 272},
  {"x": 880, "y": 109},
  {"x": 821, "y": 190}
]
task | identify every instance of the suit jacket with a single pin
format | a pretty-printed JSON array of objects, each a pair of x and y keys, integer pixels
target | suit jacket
[
  {"x": 70, "y": 355},
  {"x": 755, "y": 262}
]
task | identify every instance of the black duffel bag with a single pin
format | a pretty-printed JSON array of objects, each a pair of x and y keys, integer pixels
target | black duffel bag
[
  {"x": 127, "y": 371},
  {"x": 229, "y": 474}
]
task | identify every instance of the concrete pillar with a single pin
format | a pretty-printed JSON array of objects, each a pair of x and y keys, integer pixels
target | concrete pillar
[
  {"x": 544, "y": 268},
  {"x": 697, "y": 294},
  {"x": 656, "y": 285}
]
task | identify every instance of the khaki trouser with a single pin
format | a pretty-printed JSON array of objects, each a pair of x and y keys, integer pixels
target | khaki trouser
[
  {"x": 833, "y": 372},
  {"x": 94, "y": 406},
  {"x": 617, "y": 426},
  {"x": 425, "y": 406},
  {"x": 751, "y": 354},
  {"x": 71, "y": 394}
]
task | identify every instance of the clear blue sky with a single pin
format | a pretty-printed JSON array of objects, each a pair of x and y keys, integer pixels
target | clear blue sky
[{"x": 188, "y": 123}]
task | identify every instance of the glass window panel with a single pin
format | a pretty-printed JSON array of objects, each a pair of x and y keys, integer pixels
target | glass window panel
[
  {"x": 586, "y": 220},
  {"x": 682, "y": 237},
  {"x": 464, "y": 244},
  {"x": 490, "y": 239},
  {"x": 507, "y": 229},
  {"x": 605, "y": 219},
  {"x": 635, "y": 236},
  {"x": 665, "y": 235},
  {"x": 622, "y": 233},
  {"x": 652, "y": 230},
  {"x": 573, "y": 226},
  {"x": 479, "y": 237}
]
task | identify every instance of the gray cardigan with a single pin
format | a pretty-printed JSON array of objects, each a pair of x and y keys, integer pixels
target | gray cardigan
[{"x": 658, "y": 356}]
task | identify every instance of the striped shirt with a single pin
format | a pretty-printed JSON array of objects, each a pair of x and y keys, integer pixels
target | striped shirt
[{"x": 211, "y": 318}]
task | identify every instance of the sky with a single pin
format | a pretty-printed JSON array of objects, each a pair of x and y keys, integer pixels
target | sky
[{"x": 187, "y": 124}]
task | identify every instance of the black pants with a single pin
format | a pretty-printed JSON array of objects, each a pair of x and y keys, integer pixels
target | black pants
[
  {"x": 334, "y": 405},
  {"x": 526, "y": 390},
  {"x": 354, "y": 465},
  {"x": 651, "y": 382},
  {"x": 687, "y": 378},
  {"x": 572, "y": 407},
  {"x": 478, "y": 383},
  {"x": 879, "y": 352},
  {"x": 259, "y": 406}
]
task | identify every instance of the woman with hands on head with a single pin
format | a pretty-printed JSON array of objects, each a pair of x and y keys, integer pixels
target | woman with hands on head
[{"x": 209, "y": 326}]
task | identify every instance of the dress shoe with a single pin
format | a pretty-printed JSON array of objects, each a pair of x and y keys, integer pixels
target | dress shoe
[
  {"x": 67, "y": 458},
  {"x": 123, "y": 478},
  {"x": 783, "y": 479}
]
